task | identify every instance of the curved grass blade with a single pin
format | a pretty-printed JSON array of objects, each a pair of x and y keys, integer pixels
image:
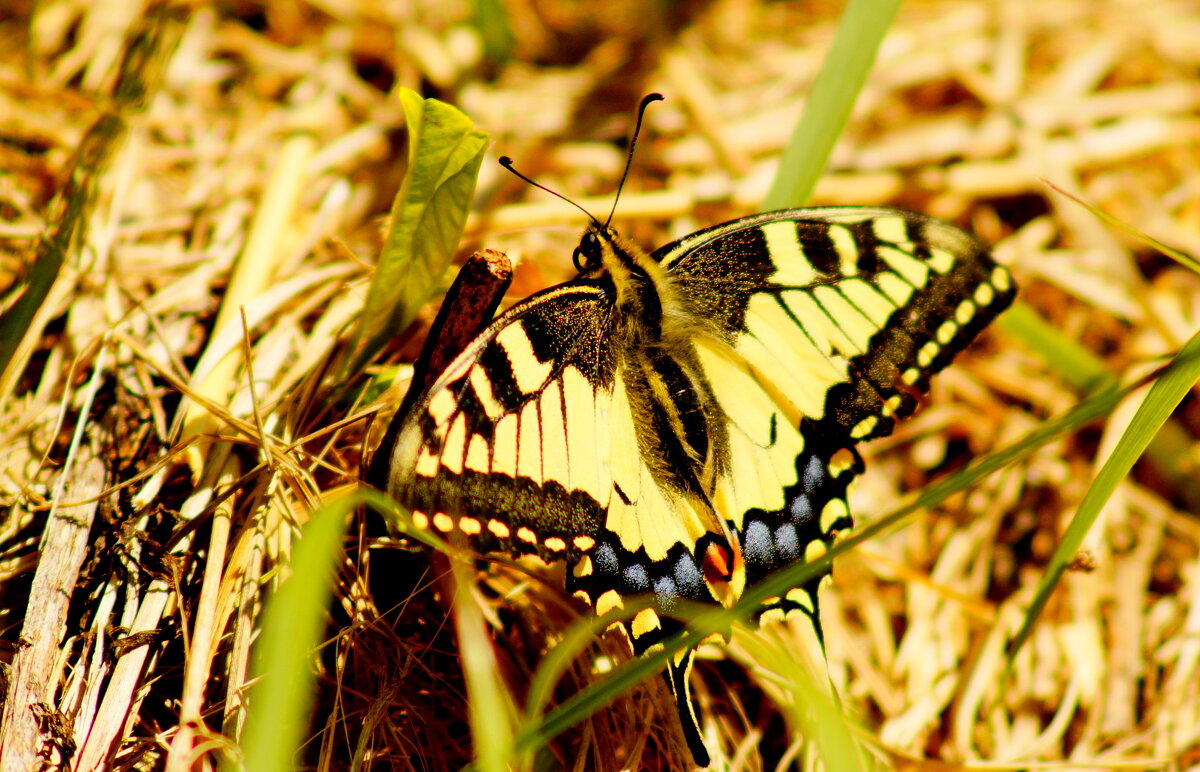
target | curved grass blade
[
  {"x": 1178, "y": 255},
  {"x": 1165, "y": 395},
  {"x": 536, "y": 733},
  {"x": 489, "y": 709},
  {"x": 428, "y": 215}
]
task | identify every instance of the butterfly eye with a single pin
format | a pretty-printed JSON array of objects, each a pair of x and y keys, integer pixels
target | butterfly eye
[{"x": 587, "y": 254}]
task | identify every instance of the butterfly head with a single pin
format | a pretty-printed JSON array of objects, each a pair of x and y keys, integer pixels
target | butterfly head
[
  {"x": 602, "y": 250},
  {"x": 590, "y": 252}
]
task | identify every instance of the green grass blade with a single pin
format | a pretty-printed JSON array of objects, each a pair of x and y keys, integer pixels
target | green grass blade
[
  {"x": 535, "y": 733},
  {"x": 143, "y": 65},
  {"x": 492, "y": 23},
  {"x": 859, "y": 33},
  {"x": 490, "y": 710},
  {"x": 1165, "y": 395},
  {"x": 1178, "y": 255},
  {"x": 293, "y": 622},
  {"x": 798, "y": 671},
  {"x": 428, "y": 215},
  {"x": 1080, "y": 368},
  {"x": 1085, "y": 372}
]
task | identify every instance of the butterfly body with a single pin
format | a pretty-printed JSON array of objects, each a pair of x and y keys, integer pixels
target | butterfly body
[{"x": 665, "y": 413}]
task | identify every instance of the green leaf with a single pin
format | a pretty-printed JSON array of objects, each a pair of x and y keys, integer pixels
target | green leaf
[
  {"x": 428, "y": 215},
  {"x": 859, "y": 33}
]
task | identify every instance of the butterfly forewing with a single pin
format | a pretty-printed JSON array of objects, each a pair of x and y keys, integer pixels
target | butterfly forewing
[{"x": 869, "y": 302}]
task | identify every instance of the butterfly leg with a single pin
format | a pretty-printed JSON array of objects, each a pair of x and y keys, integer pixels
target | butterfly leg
[{"x": 677, "y": 676}]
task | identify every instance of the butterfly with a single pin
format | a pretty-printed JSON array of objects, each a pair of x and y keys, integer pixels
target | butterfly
[{"x": 664, "y": 413}]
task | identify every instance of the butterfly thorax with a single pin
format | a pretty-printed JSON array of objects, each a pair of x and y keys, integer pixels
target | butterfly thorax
[
  {"x": 642, "y": 295},
  {"x": 680, "y": 436}
]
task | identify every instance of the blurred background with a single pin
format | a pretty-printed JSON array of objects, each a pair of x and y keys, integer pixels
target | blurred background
[{"x": 164, "y": 165}]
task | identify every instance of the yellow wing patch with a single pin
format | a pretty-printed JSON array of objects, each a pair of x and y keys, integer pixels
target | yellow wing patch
[{"x": 763, "y": 441}]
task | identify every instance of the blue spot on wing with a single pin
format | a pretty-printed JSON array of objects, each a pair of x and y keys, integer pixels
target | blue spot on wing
[
  {"x": 756, "y": 542},
  {"x": 787, "y": 541}
]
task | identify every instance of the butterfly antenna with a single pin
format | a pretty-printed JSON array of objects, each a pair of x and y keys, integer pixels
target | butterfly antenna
[
  {"x": 507, "y": 163},
  {"x": 646, "y": 100}
]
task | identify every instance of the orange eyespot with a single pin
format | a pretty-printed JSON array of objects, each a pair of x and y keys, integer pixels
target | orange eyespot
[{"x": 718, "y": 563}]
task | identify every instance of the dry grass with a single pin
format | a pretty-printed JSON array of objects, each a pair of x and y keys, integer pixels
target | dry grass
[{"x": 167, "y": 418}]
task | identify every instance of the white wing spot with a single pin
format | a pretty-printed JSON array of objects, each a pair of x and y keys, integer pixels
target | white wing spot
[
  {"x": 864, "y": 427},
  {"x": 483, "y": 392},
  {"x": 834, "y": 511},
  {"x": 941, "y": 260},
  {"x": 965, "y": 312},
  {"x": 477, "y": 454},
  {"x": 847, "y": 249},
  {"x": 1001, "y": 278},
  {"x": 607, "y": 602},
  {"x": 456, "y": 445},
  {"x": 504, "y": 446},
  {"x": 645, "y": 621},
  {"x": 529, "y": 451},
  {"x": 890, "y": 228},
  {"x": 867, "y": 299},
  {"x": 927, "y": 353},
  {"x": 897, "y": 290},
  {"x": 913, "y": 270},
  {"x": 427, "y": 463},
  {"x": 947, "y": 331},
  {"x": 442, "y": 406}
]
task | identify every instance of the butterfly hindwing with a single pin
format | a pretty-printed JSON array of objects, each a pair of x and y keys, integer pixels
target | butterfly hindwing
[{"x": 479, "y": 453}]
